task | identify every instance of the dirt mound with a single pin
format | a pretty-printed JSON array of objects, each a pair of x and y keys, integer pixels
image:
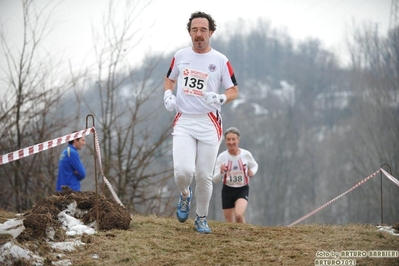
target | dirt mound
[
  {"x": 396, "y": 228},
  {"x": 89, "y": 205}
]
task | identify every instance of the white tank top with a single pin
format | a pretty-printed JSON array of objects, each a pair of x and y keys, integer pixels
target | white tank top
[{"x": 196, "y": 73}]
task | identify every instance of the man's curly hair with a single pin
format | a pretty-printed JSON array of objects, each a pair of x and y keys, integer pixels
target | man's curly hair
[{"x": 199, "y": 14}]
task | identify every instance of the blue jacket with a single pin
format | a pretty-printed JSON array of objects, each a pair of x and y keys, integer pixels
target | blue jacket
[{"x": 70, "y": 169}]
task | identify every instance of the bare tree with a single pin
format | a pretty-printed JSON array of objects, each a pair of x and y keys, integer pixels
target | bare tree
[
  {"x": 29, "y": 109},
  {"x": 126, "y": 105},
  {"x": 372, "y": 132}
]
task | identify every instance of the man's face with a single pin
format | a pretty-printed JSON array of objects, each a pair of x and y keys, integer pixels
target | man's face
[
  {"x": 232, "y": 141},
  {"x": 200, "y": 34},
  {"x": 79, "y": 143}
]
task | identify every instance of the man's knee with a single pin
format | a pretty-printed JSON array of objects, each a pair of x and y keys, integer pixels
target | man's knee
[
  {"x": 183, "y": 172},
  {"x": 240, "y": 218}
]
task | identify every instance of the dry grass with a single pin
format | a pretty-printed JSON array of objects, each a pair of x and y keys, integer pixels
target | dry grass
[
  {"x": 5, "y": 215},
  {"x": 155, "y": 240}
]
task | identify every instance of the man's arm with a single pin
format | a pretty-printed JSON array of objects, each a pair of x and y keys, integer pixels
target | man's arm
[
  {"x": 252, "y": 164},
  {"x": 169, "y": 84},
  {"x": 169, "y": 99},
  {"x": 231, "y": 93},
  {"x": 77, "y": 165}
]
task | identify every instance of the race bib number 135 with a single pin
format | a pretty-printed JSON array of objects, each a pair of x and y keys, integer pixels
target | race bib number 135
[{"x": 194, "y": 82}]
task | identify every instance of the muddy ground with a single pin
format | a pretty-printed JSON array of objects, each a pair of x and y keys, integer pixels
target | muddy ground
[{"x": 110, "y": 214}]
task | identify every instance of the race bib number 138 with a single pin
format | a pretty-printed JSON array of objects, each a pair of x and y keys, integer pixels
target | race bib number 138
[{"x": 235, "y": 179}]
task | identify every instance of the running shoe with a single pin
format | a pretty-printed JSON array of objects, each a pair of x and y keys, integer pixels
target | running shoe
[
  {"x": 201, "y": 224},
  {"x": 183, "y": 207}
]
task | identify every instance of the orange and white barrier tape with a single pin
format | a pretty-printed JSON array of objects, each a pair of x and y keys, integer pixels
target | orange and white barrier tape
[
  {"x": 390, "y": 177},
  {"x": 25, "y": 152},
  {"x": 102, "y": 173},
  {"x": 334, "y": 199}
]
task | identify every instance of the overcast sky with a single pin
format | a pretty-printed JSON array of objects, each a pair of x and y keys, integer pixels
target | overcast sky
[{"x": 322, "y": 19}]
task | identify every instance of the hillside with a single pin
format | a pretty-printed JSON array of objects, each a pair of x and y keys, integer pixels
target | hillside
[{"x": 153, "y": 240}]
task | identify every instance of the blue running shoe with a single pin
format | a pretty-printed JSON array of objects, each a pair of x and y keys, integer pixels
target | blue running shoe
[
  {"x": 183, "y": 208},
  {"x": 201, "y": 224}
]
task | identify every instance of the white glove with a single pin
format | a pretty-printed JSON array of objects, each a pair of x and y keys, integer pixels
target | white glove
[
  {"x": 211, "y": 97},
  {"x": 169, "y": 99}
]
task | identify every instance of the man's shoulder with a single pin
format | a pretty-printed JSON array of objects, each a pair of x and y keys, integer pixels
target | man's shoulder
[
  {"x": 215, "y": 52},
  {"x": 245, "y": 152},
  {"x": 70, "y": 150},
  {"x": 184, "y": 51},
  {"x": 224, "y": 153},
  {"x": 188, "y": 51}
]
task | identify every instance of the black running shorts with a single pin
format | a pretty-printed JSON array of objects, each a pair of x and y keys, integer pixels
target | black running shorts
[{"x": 231, "y": 194}]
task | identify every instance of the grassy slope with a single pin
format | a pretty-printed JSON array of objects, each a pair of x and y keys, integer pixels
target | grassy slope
[{"x": 155, "y": 240}]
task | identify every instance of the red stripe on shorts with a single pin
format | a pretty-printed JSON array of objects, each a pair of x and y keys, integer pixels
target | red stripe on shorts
[
  {"x": 177, "y": 116},
  {"x": 217, "y": 123}
]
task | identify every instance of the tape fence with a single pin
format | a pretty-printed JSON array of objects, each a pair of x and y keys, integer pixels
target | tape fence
[
  {"x": 390, "y": 177},
  {"x": 28, "y": 151}
]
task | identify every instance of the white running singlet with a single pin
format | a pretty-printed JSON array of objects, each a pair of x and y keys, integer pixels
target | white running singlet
[
  {"x": 237, "y": 168},
  {"x": 196, "y": 73}
]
